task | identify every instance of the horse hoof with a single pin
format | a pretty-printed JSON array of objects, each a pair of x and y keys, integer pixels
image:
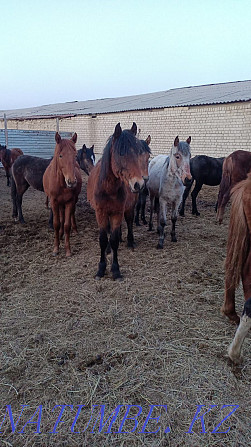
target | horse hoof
[
  {"x": 117, "y": 277},
  {"x": 68, "y": 254},
  {"x": 97, "y": 277},
  {"x": 144, "y": 222},
  {"x": 233, "y": 317},
  {"x": 55, "y": 253},
  {"x": 174, "y": 239},
  {"x": 160, "y": 246},
  {"x": 182, "y": 214}
]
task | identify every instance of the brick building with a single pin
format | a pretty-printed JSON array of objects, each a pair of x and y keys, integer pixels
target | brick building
[{"x": 217, "y": 116}]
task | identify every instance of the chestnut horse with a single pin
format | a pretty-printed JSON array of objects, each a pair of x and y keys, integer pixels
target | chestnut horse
[
  {"x": 238, "y": 262},
  {"x": 235, "y": 168},
  {"x": 28, "y": 171},
  {"x": 118, "y": 168},
  {"x": 7, "y": 157},
  {"x": 62, "y": 184}
]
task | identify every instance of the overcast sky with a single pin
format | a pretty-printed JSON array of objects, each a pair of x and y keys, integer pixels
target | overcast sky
[{"x": 73, "y": 50}]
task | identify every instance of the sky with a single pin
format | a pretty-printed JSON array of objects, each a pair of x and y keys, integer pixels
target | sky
[{"x": 74, "y": 50}]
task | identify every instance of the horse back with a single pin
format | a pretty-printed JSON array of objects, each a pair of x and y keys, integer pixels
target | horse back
[
  {"x": 29, "y": 169},
  {"x": 206, "y": 170}
]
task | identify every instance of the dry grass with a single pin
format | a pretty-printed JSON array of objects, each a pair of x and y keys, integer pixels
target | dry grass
[{"x": 156, "y": 338}]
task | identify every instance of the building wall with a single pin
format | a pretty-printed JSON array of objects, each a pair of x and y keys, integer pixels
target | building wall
[{"x": 216, "y": 130}]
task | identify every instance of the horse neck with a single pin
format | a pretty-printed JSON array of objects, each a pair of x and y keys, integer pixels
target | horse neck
[{"x": 57, "y": 173}]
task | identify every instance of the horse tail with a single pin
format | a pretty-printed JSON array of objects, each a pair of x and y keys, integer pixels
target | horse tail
[
  {"x": 225, "y": 187},
  {"x": 238, "y": 237}
]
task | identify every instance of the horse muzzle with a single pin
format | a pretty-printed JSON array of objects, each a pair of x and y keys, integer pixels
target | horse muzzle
[
  {"x": 71, "y": 184},
  {"x": 136, "y": 185}
]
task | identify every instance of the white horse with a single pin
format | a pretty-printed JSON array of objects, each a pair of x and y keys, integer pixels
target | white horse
[{"x": 168, "y": 176}]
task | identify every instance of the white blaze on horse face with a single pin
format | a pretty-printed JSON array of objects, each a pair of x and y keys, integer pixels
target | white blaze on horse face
[{"x": 234, "y": 349}]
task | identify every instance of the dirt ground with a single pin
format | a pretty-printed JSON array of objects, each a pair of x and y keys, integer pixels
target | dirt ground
[{"x": 156, "y": 338}]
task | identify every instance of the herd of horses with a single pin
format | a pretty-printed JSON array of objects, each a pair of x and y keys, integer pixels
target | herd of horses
[{"x": 120, "y": 183}]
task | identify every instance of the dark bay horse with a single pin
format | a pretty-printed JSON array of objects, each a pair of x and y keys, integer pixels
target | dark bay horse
[
  {"x": 205, "y": 171},
  {"x": 62, "y": 183},
  {"x": 133, "y": 198},
  {"x": 118, "y": 168},
  {"x": 28, "y": 171},
  {"x": 235, "y": 168},
  {"x": 7, "y": 157},
  {"x": 238, "y": 262}
]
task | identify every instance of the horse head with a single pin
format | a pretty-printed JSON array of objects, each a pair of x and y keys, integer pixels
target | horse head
[
  {"x": 180, "y": 160},
  {"x": 86, "y": 158},
  {"x": 3, "y": 150},
  {"x": 125, "y": 157},
  {"x": 144, "y": 157},
  {"x": 65, "y": 155}
]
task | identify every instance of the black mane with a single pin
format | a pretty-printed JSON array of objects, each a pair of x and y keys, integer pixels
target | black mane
[{"x": 123, "y": 146}]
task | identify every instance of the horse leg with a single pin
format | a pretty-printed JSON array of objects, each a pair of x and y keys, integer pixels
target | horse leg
[
  {"x": 62, "y": 220},
  {"x": 151, "y": 212},
  {"x": 73, "y": 222},
  {"x": 56, "y": 225},
  {"x": 114, "y": 241},
  {"x": 129, "y": 214},
  {"x": 185, "y": 196},
  {"x": 234, "y": 349},
  {"x": 174, "y": 219},
  {"x": 138, "y": 206},
  {"x": 161, "y": 222},
  {"x": 143, "y": 195},
  {"x": 51, "y": 220},
  {"x": 8, "y": 176},
  {"x": 228, "y": 307},
  {"x": 194, "y": 194},
  {"x": 69, "y": 207},
  {"x": 14, "y": 198}
]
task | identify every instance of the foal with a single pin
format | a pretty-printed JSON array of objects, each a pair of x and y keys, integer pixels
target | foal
[
  {"x": 62, "y": 183},
  {"x": 167, "y": 176},
  {"x": 7, "y": 157},
  {"x": 107, "y": 185}
]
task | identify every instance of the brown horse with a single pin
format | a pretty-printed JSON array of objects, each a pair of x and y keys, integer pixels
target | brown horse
[
  {"x": 132, "y": 197},
  {"x": 238, "y": 260},
  {"x": 62, "y": 184},
  {"x": 118, "y": 168},
  {"x": 7, "y": 157},
  {"x": 235, "y": 168},
  {"x": 28, "y": 171},
  {"x": 238, "y": 263}
]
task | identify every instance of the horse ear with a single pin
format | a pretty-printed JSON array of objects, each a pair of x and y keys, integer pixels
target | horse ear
[
  {"x": 148, "y": 140},
  {"x": 74, "y": 138},
  {"x": 176, "y": 141},
  {"x": 118, "y": 131},
  {"x": 84, "y": 148},
  {"x": 189, "y": 140},
  {"x": 134, "y": 128},
  {"x": 57, "y": 138},
  {"x": 92, "y": 147}
]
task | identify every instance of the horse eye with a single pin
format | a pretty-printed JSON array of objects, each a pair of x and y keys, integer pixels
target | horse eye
[
  {"x": 60, "y": 156},
  {"x": 177, "y": 156}
]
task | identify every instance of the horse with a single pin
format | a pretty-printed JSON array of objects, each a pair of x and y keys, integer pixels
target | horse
[
  {"x": 167, "y": 177},
  {"x": 62, "y": 183},
  {"x": 141, "y": 200},
  {"x": 86, "y": 158},
  {"x": 28, "y": 171},
  {"x": 235, "y": 168},
  {"x": 205, "y": 171},
  {"x": 133, "y": 198},
  {"x": 238, "y": 262},
  {"x": 118, "y": 168},
  {"x": 7, "y": 157}
]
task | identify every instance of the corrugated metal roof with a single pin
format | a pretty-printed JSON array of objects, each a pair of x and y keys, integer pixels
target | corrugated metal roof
[{"x": 186, "y": 96}]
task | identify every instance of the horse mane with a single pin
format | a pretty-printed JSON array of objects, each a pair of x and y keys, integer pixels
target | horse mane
[
  {"x": 238, "y": 235},
  {"x": 122, "y": 146}
]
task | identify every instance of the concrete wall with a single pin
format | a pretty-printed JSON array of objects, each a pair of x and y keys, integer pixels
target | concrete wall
[{"x": 216, "y": 130}]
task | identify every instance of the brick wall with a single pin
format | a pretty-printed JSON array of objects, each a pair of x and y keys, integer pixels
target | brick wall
[{"x": 216, "y": 130}]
